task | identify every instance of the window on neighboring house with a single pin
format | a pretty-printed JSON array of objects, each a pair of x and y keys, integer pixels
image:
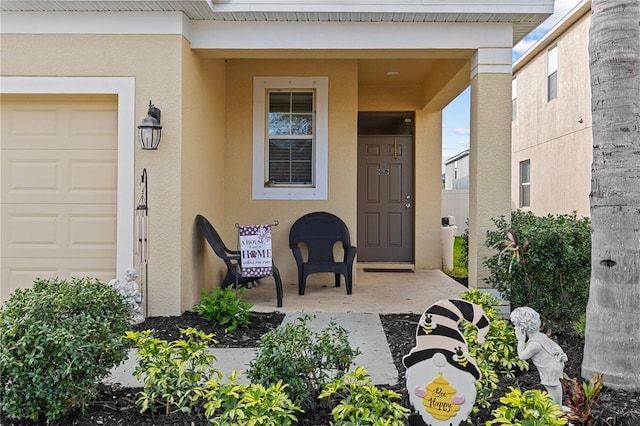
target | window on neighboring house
[
  {"x": 514, "y": 97},
  {"x": 290, "y": 139},
  {"x": 552, "y": 73},
  {"x": 525, "y": 183}
]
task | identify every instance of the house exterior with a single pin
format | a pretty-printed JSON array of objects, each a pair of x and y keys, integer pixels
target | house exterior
[
  {"x": 455, "y": 196},
  {"x": 456, "y": 171},
  {"x": 270, "y": 110},
  {"x": 551, "y": 128}
]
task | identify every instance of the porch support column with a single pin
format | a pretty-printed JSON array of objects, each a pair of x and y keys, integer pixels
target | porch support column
[{"x": 490, "y": 152}]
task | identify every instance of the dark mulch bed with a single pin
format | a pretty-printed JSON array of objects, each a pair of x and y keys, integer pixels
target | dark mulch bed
[{"x": 116, "y": 406}]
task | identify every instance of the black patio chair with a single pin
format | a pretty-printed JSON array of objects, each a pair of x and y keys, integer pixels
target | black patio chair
[
  {"x": 320, "y": 231},
  {"x": 232, "y": 259}
]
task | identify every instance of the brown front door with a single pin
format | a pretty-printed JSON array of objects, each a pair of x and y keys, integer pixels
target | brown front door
[{"x": 385, "y": 198}]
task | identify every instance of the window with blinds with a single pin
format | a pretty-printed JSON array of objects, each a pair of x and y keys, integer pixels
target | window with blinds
[{"x": 291, "y": 137}]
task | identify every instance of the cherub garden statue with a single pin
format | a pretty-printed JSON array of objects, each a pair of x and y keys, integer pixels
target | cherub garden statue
[
  {"x": 545, "y": 354},
  {"x": 131, "y": 292}
]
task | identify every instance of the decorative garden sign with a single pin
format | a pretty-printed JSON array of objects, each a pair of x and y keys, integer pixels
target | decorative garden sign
[
  {"x": 440, "y": 374},
  {"x": 255, "y": 250}
]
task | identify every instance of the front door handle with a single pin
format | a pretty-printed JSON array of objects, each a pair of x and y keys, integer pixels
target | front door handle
[{"x": 408, "y": 205}]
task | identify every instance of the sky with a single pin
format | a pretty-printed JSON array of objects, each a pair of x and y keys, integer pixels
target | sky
[{"x": 455, "y": 117}]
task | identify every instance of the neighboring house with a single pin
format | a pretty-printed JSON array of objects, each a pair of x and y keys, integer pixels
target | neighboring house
[
  {"x": 270, "y": 110},
  {"x": 455, "y": 196},
  {"x": 551, "y": 131},
  {"x": 456, "y": 171}
]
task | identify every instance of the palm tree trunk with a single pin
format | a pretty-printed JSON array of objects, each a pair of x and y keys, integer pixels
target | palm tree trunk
[{"x": 612, "y": 340}]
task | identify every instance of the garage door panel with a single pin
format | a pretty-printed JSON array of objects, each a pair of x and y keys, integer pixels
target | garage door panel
[
  {"x": 59, "y": 230},
  {"x": 54, "y": 125},
  {"x": 21, "y": 272},
  {"x": 91, "y": 231},
  {"x": 60, "y": 176},
  {"x": 58, "y": 188},
  {"x": 91, "y": 178}
]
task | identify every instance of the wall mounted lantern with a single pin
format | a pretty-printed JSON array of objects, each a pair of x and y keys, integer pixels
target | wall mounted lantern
[{"x": 150, "y": 130}]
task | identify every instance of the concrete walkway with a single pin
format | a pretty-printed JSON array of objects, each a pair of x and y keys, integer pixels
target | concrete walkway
[
  {"x": 365, "y": 333},
  {"x": 373, "y": 293}
]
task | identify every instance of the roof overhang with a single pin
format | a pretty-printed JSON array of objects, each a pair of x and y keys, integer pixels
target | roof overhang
[
  {"x": 575, "y": 14},
  {"x": 523, "y": 15}
]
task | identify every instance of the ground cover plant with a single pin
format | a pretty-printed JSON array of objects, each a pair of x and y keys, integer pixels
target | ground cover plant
[
  {"x": 116, "y": 406},
  {"x": 223, "y": 306}
]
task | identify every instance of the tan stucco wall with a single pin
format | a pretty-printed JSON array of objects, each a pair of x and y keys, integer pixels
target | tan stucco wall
[
  {"x": 489, "y": 170},
  {"x": 428, "y": 188},
  {"x": 155, "y": 63},
  {"x": 202, "y": 170},
  {"x": 550, "y": 134},
  {"x": 203, "y": 164},
  {"x": 239, "y": 206}
]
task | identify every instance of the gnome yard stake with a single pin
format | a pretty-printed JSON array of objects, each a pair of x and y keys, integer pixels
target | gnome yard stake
[{"x": 440, "y": 373}]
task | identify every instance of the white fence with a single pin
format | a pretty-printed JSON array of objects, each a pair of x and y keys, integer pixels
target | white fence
[{"x": 455, "y": 202}]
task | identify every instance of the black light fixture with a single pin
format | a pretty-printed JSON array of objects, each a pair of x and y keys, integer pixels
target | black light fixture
[{"x": 150, "y": 130}]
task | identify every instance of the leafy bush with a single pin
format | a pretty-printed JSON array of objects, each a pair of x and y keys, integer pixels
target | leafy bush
[
  {"x": 303, "y": 359},
  {"x": 234, "y": 404},
  {"x": 222, "y": 306},
  {"x": 355, "y": 400},
  {"x": 532, "y": 408},
  {"x": 552, "y": 274},
  {"x": 57, "y": 340},
  {"x": 498, "y": 354},
  {"x": 582, "y": 399},
  {"x": 174, "y": 372},
  {"x": 464, "y": 248}
]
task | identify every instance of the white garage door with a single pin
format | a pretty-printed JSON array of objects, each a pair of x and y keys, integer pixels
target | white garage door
[{"x": 58, "y": 188}]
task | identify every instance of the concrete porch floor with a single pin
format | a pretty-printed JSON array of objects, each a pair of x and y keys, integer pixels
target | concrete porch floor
[{"x": 381, "y": 292}]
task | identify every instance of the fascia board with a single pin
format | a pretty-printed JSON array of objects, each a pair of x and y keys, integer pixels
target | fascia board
[
  {"x": 92, "y": 23},
  {"x": 347, "y": 35}
]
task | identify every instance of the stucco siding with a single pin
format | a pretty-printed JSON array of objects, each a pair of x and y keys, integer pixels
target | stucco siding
[
  {"x": 158, "y": 77},
  {"x": 555, "y": 135},
  {"x": 490, "y": 157},
  {"x": 203, "y": 170},
  {"x": 239, "y": 206}
]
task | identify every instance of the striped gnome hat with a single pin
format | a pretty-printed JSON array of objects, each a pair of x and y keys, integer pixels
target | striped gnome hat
[{"x": 438, "y": 331}]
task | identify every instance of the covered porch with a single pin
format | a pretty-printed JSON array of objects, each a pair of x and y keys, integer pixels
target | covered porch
[{"x": 379, "y": 292}]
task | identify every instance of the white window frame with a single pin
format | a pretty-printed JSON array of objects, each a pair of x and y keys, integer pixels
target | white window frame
[
  {"x": 525, "y": 184},
  {"x": 514, "y": 98},
  {"x": 552, "y": 72},
  {"x": 260, "y": 190}
]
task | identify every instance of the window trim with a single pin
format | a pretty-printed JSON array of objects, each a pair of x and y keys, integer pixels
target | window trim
[
  {"x": 524, "y": 184},
  {"x": 514, "y": 98},
  {"x": 319, "y": 191},
  {"x": 552, "y": 71}
]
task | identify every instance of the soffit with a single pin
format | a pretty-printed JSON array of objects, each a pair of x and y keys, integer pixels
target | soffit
[{"x": 524, "y": 15}]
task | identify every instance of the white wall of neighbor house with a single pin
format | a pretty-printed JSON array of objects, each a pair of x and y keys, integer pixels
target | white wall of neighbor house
[{"x": 555, "y": 135}]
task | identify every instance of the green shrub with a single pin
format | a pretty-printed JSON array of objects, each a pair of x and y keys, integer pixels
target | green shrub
[
  {"x": 552, "y": 275},
  {"x": 303, "y": 359},
  {"x": 174, "y": 372},
  {"x": 532, "y": 408},
  {"x": 222, "y": 306},
  {"x": 57, "y": 340},
  {"x": 251, "y": 404},
  {"x": 464, "y": 248},
  {"x": 356, "y": 401},
  {"x": 498, "y": 354}
]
